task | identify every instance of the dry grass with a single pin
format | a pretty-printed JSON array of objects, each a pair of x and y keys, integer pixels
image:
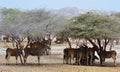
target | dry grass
[
  {"x": 52, "y": 63},
  {"x": 9, "y": 44}
]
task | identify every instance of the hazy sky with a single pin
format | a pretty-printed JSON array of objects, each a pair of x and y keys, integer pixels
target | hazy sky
[{"x": 107, "y": 5}]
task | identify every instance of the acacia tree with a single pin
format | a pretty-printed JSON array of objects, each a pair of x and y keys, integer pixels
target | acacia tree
[
  {"x": 34, "y": 24},
  {"x": 48, "y": 25},
  {"x": 20, "y": 24},
  {"x": 94, "y": 26}
]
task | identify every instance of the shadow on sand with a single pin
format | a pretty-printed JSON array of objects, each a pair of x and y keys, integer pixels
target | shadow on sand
[{"x": 106, "y": 64}]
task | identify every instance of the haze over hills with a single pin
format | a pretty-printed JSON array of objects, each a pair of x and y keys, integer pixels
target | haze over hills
[
  {"x": 73, "y": 11},
  {"x": 69, "y": 11}
]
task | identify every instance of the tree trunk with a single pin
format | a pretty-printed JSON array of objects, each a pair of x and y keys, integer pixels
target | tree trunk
[
  {"x": 101, "y": 49},
  {"x": 111, "y": 44},
  {"x": 106, "y": 43},
  {"x": 97, "y": 48},
  {"x": 18, "y": 47},
  {"x": 68, "y": 41}
]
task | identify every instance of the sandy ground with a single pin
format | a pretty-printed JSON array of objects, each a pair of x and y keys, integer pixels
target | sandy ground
[{"x": 54, "y": 63}]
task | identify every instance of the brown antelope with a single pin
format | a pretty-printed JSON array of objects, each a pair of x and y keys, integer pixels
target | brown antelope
[
  {"x": 91, "y": 55},
  {"x": 69, "y": 54},
  {"x": 35, "y": 52},
  {"x": 83, "y": 55},
  {"x": 39, "y": 44},
  {"x": 79, "y": 53},
  {"x": 108, "y": 54},
  {"x": 12, "y": 52}
]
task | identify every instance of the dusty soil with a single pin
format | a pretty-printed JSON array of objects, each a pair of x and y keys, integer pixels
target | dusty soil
[{"x": 54, "y": 63}]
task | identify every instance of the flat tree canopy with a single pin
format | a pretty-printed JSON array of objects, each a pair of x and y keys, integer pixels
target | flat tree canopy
[{"x": 93, "y": 25}]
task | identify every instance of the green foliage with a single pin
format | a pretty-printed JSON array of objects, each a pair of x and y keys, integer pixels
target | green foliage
[
  {"x": 10, "y": 15},
  {"x": 91, "y": 25},
  {"x": 6, "y": 11}
]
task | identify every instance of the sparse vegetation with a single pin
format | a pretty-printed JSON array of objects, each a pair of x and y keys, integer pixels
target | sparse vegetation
[{"x": 99, "y": 29}]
